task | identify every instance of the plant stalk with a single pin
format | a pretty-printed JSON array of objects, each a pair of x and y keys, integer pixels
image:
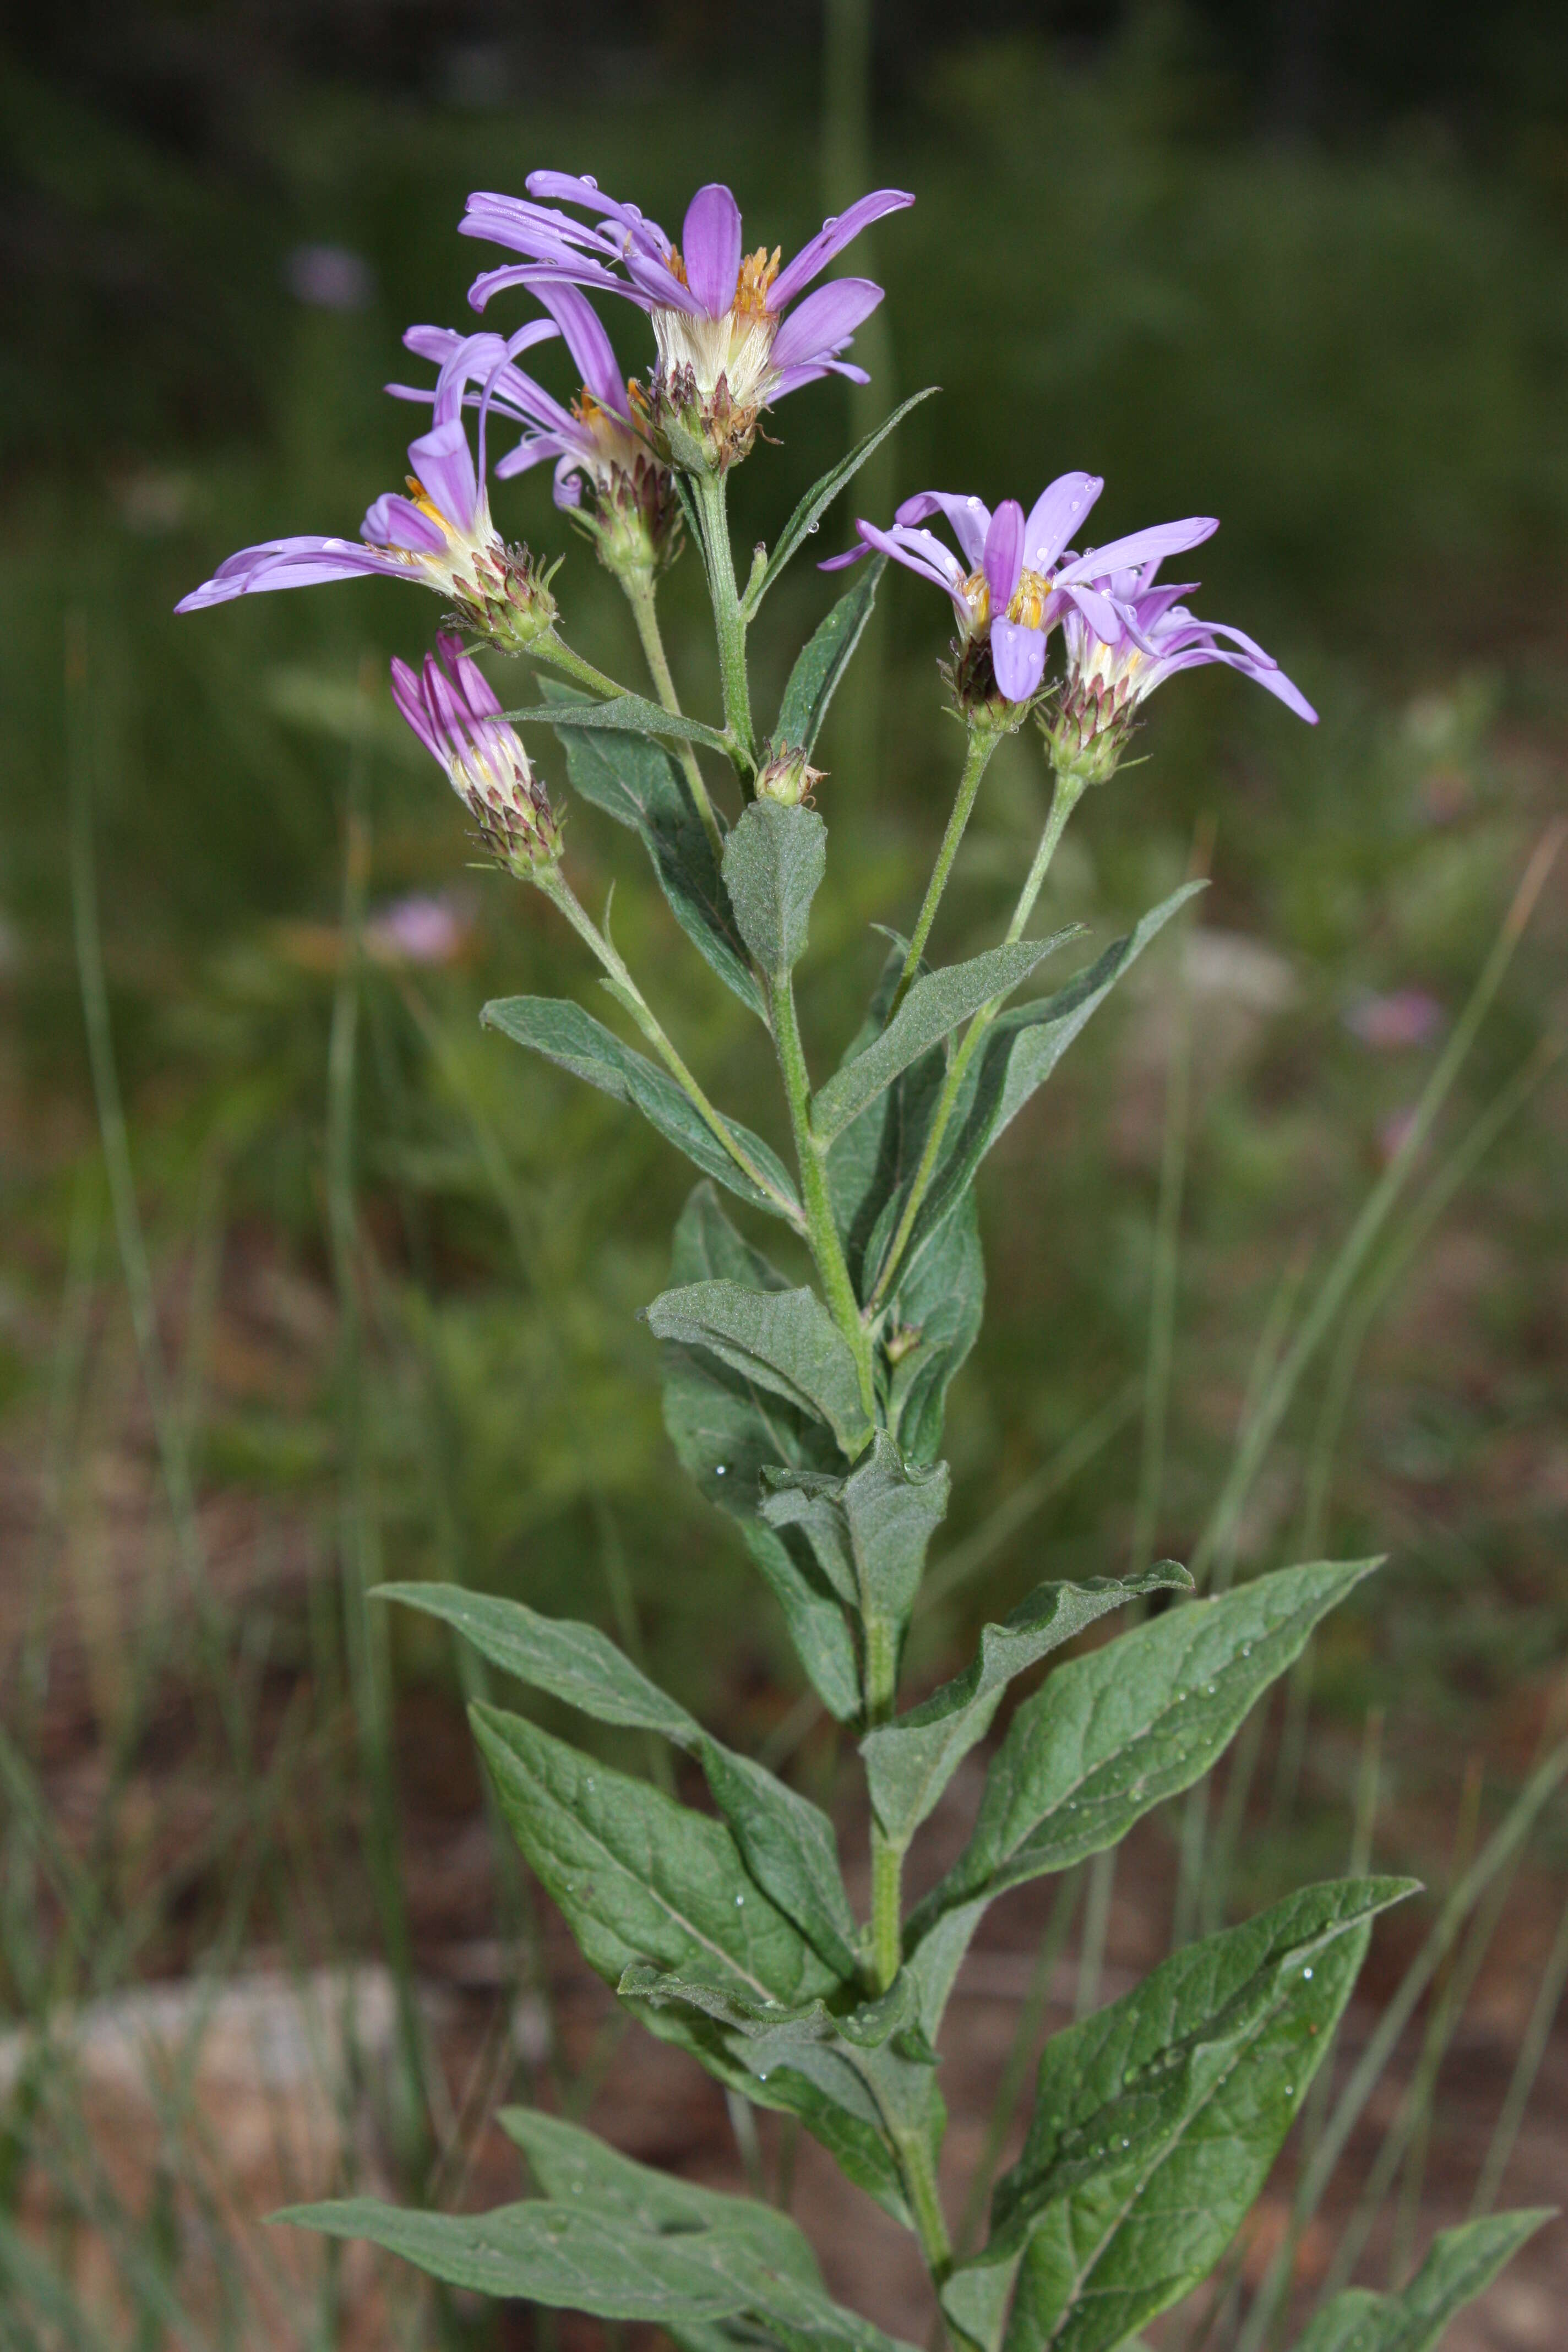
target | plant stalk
[
  {"x": 1064, "y": 799},
  {"x": 982, "y": 742},
  {"x": 559, "y": 654},
  {"x": 821, "y": 1229},
  {"x": 561, "y": 895},
  {"x": 642, "y": 596},
  {"x": 728, "y": 618}
]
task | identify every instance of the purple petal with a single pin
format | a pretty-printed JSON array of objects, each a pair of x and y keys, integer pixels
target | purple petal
[
  {"x": 1004, "y": 556},
  {"x": 566, "y": 489},
  {"x": 969, "y": 518},
  {"x": 792, "y": 378},
  {"x": 710, "y": 248},
  {"x": 922, "y": 553},
  {"x": 1054, "y": 517},
  {"x": 589, "y": 345},
  {"x": 850, "y": 555},
  {"x": 656, "y": 286},
  {"x": 824, "y": 322},
  {"x": 1161, "y": 539},
  {"x": 395, "y": 521},
  {"x": 1104, "y": 618},
  {"x": 1018, "y": 658},
  {"x": 285, "y": 563},
  {"x": 445, "y": 465},
  {"x": 406, "y": 693},
  {"x": 831, "y": 238}
]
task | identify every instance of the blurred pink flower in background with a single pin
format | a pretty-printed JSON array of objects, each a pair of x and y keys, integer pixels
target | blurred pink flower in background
[
  {"x": 1389, "y": 1025},
  {"x": 421, "y": 929}
]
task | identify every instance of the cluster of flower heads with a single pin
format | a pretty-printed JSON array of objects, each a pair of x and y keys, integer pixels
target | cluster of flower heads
[
  {"x": 733, "y": 332},
  {"x": 1123, "y": 632}
]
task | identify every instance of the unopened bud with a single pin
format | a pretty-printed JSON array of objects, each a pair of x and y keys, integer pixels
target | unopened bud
[
  {"x": 788, "y": 777},
  {"x": 453, "y": 709}
]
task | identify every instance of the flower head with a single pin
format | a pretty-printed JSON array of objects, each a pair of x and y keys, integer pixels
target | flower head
[
  {"x": 440, "y": 535},
  {"x": 606, "y": 473},
  {"x": 787, "y": 776},
  {"x": 1012, "y": 583},
  {"x": 726, "y": 349},
  {"x": 1109, "y": 674},
  {"x": 453, "y": 709}
]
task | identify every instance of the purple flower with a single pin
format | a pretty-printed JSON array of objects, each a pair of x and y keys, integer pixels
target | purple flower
[
  {"x": 1110, "y": 673},
  {"x": 418, "y": 929},
  {"x": 726, "y": 348},
  {"x": 599, "y": 444},
  {"x": 453, "y": 709},
  {"x": 1012, "y": 588},
  {"x": 1388, "y": 1025},
  {"x": 440, "y": 535}
]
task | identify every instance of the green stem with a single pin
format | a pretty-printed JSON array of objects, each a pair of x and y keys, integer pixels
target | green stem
[
  {"x": 982, "y": 741},
  {"x": 559, "y": 654},
  {"x": 729, "y": 616},
  {"x": 919, "y": 2180},
  {"x": 821, "y": 1229},
  {"x": 881, "y": 1677},
  {"x": 641, "y": 595},
  {"x": 1064, "y": 799},
  {"x": 561, "y": 895}
]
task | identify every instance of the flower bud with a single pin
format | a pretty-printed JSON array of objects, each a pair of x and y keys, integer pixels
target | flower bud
[
  {"x": 788, "y": 777},
  {"x": 453, "y": 709}
]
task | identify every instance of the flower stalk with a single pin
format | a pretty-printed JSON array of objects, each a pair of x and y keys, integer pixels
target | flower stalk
[
  {"x": 821, "y": 1227},
  {"x": 729, "y": 615},
  {"x": 641, "y": 595},
  {"x": 980, "y": 743}
]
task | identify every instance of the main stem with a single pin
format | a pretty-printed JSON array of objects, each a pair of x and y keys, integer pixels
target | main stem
[
  {"x": 561, "y": 895},
  {"x": 982, "y": 741},
  {"x": 641, "y": 595},
  {"x": 821, "y": 1228},
  {"x": 1064, "y": 799},
  {"x": 729, "y": 620}
]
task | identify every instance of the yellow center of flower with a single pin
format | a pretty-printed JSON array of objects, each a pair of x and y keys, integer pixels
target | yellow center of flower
[
  {"x": 757, "y": 272},
  {"x": 1028, "y": 605}
]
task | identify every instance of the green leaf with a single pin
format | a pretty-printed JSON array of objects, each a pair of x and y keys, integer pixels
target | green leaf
[
  {"x": 863, "y": 2025},
  {"x": 787, "y": 1842},
  {"x": 823, "y": 660},
  {"x": 911, "y": 1761},
  {"x": 933, "y": 1008},
  {"x": 638, "y": 1877},
  {"x": 821, "y": 495},
  {"x": 627, "y": 714},
  {"x": 622, "y": 2242},
  {"x": 1019, "y": 1053},
  {"x": 869, "y": 1532},
  {"x": 785, "y": 1341},
  {"x": 726, "y": 1429},
  {"x": 1113, "y": 1733},
  {"x": 1156, "y": 2121},
  {"x": 636, "y": 781},
  {"x": 773, "y": 864},
  {"x": 566, "y": 1034},
  {"x": 938, "y": 1304},
  {"x": 1461, "y": 2265}
]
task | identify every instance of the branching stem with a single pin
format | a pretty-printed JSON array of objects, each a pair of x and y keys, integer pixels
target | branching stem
[
  {"x": 982, "y": 742},
  {"x": 642, "y": 596},
  {"x": 821, "y": 1228},
  {"x": 729, "y": 615}
]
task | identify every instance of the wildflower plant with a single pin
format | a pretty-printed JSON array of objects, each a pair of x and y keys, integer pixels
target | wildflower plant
[{"x": 811, "y": 1413}]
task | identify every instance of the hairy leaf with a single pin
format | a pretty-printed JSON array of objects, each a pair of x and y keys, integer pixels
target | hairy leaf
[
  {"x": 638, "y": 1877},
  {"x": 910, "y": 1762},
  {"x": 786, "y": 1843},
  {"x": 823, "y": 660},
  {"x": 863, "y": 2025},
  {"x": 933, "y": 1008},
  {"x": 785, "y": 1341},
  {"x": 624, "y": 714},
  {"x": 636, "y": 781},
  {"x": 1020, "y": 1051},
  {"x": 821, "y": 495},
  {"x": 566, "y": 1034},
  {"x": 1156, "y": 2121},
  {"x": 1115, "y": 1733},
  {"x": 726, "y": 1429},
  {"x": 773, "y": 864},
  {"x": 937, "y": 1304},
  {"x": 1462, "y": 2264},
  {"x": 869, "y": 1532}
]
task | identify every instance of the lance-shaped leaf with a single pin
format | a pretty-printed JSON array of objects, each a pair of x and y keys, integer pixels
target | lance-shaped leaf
[
  {"x": 869, "y": 1532},
  {"x": 773, "y": 864},
  {"x": 910, "y": 1762},
  {"x": 1156, "y": 2120},
  {"x": 566, "y": 1034},
  {"x": 937, "y": 1305},
  {"x": 1020, "y": 1051},
  {"x": 636, "y": 781},
  {"x": 933, "y": 1008},
  {"x": 726, "y": 1429},
  {"x": 823, "y": 660},
  {"x": 622, "y": 714},
  {"x": 622, "y": 2242},
  {"x": 1115, "y": 1733},
  {"x": 820, "y": 497},
  {"x": 863, "y": 2025},
  {"x": 787, "y": 1842},
  {"x": 1462, "y": 2264},
  {"x": 638, "y": 1877},
  {"x": 785, "y": 1341}
]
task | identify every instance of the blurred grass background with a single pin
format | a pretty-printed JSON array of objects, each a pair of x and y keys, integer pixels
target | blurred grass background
[{"x": 1308, "y": 273}]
